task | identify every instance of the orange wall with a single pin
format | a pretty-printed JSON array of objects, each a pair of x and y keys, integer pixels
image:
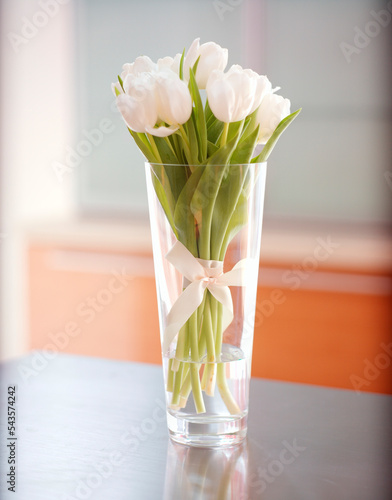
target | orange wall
[{"x": 307, "y": 336}]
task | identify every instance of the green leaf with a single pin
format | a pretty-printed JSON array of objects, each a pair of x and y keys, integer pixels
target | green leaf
[
  {"x": 175, "y": 141},
  {"x": 238, "y": 220},
  {"x": 183, "y": 218},
  {"x": 165, "y": 152},
  {"x": 211, "y": 148},
  {"x": 178, "y": 176},
  {"x": 233, "y": 129},
  {"x": 163, "y": 192},
  {"x": 263, "y": 156},
  {"x": 144, "y": 146},
  {"x": 246, "y": 146},
  {"x": 210, "y": 117},
  {"x": 193, "y": 142},
  {"x": 225, "y": 205},
  {"x": 194, "y": 69},
  {"x": 200, "y": 123},
  {"x": 121, "y": 82},
  {"x": 181, "y": 71},
  {"x": 223, "y": 154},
  {"x": 214, "y": 131},
  {"x": 175, "y": 176},
  {"x": 250, "y": 123}
]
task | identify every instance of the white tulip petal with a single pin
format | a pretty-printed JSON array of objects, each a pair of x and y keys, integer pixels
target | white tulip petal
[
  {"x": 174, "y": 102},
  {"x": 221, "y": 98},
  {"x": 191, "y": 57},
  {"x": 263, "y": 87},
  {"x": 162, "y": 131},
  {"x": 170, "y": 63},
  {"x": 138, "y": 113}
]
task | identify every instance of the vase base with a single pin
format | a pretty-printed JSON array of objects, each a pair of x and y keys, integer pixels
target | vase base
[{"x": 213, "y": 432}]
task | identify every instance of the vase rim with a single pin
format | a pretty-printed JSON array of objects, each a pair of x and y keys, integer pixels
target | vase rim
[{"x": 199, "y": 165}]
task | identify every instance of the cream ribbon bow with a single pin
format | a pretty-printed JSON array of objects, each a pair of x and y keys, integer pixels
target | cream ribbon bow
[{"x": 201, "y": 275}]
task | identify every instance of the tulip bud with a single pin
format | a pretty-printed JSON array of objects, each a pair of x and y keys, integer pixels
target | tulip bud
[
  {"x": 212, "y": 57},
  {"x": 272, "y": 110}
]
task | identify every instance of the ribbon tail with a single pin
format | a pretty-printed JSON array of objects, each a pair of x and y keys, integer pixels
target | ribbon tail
[{"x": 182, "y": 310}]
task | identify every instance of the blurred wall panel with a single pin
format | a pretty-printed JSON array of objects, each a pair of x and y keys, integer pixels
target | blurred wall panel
[
  {"x": 37, "y": 107},
  {"x": 332, "y": 165}
]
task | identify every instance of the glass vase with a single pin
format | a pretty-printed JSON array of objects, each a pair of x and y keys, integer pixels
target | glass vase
[{"x": 206, "y": 225}]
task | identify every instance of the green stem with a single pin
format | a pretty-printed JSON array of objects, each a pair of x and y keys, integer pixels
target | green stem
[
  {"x": 224, "y": 390},
  {"x": 207, "y": 330},
  {"x": 180, "y": 348},
  {"x": 209, "y": 377},
  {"x": 225, "y": 130},
  {"x": 195, "y": 365},
  {"x": 177, "y": 386},
  {"x": 154, "y": 147},
  {"x": 187, "y": 148},
  {"x": 170, "y": 146},
  {"x": 170, "y": 376},
  {"x": 219, "y": 331},
  {"x": 196, "y": 388},
  {"x": 186, "y": 386}
]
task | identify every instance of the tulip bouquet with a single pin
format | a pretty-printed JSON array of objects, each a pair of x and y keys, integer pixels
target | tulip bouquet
[{"x": 188, "y": 112}]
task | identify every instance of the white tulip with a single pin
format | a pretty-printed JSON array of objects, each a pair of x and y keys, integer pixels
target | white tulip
[
  {"x": 138, "y": 104},
  {"x": 272, "y": 110},
  {"x": 152, "y": 98},
  {"x": 174, "y": 101},
  {"x": 212, "y": 57},
  {"x": 231, "y": 95}
]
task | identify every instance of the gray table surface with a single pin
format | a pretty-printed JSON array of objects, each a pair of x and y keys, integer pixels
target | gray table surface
[{"x": 91, "y": 428}]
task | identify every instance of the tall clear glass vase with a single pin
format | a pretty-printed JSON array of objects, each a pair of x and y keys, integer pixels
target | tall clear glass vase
[{"x": 206, "y": 225}]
